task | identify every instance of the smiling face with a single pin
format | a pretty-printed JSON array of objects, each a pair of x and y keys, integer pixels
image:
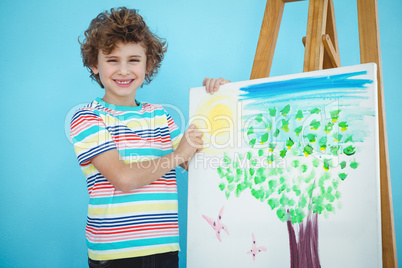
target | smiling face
[{"x": 122, "y": 72}]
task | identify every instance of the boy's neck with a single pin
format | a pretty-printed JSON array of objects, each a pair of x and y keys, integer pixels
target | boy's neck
[{"x": 121, "y": 102}]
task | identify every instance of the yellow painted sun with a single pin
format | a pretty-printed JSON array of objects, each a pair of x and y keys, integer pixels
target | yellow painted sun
[{"x": 216, "y": 117}]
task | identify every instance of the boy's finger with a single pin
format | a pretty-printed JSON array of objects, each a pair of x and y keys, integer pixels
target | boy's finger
[
  {"x": 212, "y": 83},
  {"x": 192, "y": 127},
  {"x": 225, "y": 81},
  {"x": 198, "y": 134},
  {"x": 205, "y": 81}
]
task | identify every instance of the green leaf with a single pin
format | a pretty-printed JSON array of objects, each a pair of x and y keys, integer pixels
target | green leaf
[
  {"x": 311, "y": 137},
  {"x": 258, "y": 194},
  {"x": 330, "y": 197},
  {"x": 282, "y": 188},
  {"x": 261, "y": 171},
  {"x": 229, "y": 178},
  {"x": 343, "y": 164},
  {"x": 354, "y": 164},
  {"x": 250, "y": 130},
  {"x": 222, "y": 186},
  {"x": 328, "y": 128},
  {"x": 297, "y": 215},
  {"x": 350, "y": 150},
  {"x": 298, "y": 130},
  {"x": 284, "y": 201},
  {"x": 273, "y": 203},
  {"x": 231, "y": 187},
  {"x": 285, "y": 125},
  {"x": 259, "y": 179},
  {"x": 268, "y": 125},
  {"x": 299, "y": 115},
  {"x": 227, "y": 160},
  {"x": 326, "y": 164},
  {"x": 289, "y": 143},
  {"x": 308, "y": 150},
  {"x": 329, "y": 207},
  {"x": 296, "y": 190},
  {"x": 295, "y": 163},
  {"x": 335, "y": 115},
  {"x": 220, "y": 172},
  {"x": 282, "y": 215},
  {"x": 323, "y": 143},
  {"x": 272, "y": 146},
  {"x": 272, "y": 112},
  {"x": 240, "y": 188},
  {"x": 253, "y": 162},
  {"x": 285, "y": 110},
  {"x": 264, "y": 138},
  {"x": 343, "y": 125},
  {"x": 303, "y": 168},
  {"x": 315, "y": 124},
  {"x": 270, "y": 158},
  {"x": 252, "y": 143},
  {"x": 315, "y": 111},
  {"x": 349, "y": 139},
  {"x": 258, "y": 118},
  {"x": 334, "y": 150},
  {"x": 303, "y": 202},
  {"x": 316, "y": 162},
  {"x": 337, "y": 137},
  {"x": 272, "y": 184},
  {"x": 342, "y": 176}
]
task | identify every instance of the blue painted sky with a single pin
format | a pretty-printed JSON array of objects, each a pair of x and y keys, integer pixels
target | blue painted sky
[{"x": 338, "y": 86}]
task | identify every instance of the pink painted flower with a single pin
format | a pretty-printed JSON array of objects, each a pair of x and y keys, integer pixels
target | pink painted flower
[
  {"x": 217, "y": 225},
  {"x": 254, "y": 249}
]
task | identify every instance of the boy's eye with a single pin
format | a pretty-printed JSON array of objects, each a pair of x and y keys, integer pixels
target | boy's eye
[
  {"x": 111, "y": 60},
  {"x": 134, "y": 60}
]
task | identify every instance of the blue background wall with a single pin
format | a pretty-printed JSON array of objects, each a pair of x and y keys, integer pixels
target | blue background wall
[{"x": 42, "y": 190}]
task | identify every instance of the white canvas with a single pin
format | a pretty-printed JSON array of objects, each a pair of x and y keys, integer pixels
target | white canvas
[{"x": 289, "y": 176}]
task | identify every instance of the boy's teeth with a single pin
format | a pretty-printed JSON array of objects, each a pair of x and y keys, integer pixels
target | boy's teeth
[{"x": 123, "y": 82}]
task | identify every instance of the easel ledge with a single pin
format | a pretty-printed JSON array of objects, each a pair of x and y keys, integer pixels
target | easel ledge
[{"x": 322, "y": 52}]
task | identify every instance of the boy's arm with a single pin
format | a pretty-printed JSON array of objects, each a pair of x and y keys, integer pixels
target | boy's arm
[{"x": 127, "y": 177}]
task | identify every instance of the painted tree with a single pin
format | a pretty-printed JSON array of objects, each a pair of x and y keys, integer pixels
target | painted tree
[{"x": 296, "y": 162}]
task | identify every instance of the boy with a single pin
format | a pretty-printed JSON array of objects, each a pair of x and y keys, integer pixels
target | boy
[{"x": 128, "y": 149}]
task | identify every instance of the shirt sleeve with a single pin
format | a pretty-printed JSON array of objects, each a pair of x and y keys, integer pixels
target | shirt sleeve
[
  {"x": 89, "y": 136},
  {"x": 174, "y": 130}
]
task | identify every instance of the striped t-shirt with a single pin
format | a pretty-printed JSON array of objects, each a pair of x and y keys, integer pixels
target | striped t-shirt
[{"x": 143, "y": 221}]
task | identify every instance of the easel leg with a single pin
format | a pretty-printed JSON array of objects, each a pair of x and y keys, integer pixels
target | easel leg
[
  {"x": 267, "y": 40},
  {"x": 369, "y": 36}
]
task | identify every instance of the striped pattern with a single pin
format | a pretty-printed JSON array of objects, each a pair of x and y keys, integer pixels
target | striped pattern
[{"x": 145, "y": 220}]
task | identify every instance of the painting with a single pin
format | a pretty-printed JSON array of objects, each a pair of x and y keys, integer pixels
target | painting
[{"x": 289, "y": 172}]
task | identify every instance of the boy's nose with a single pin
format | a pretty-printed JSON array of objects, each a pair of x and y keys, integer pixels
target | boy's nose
[{"x": 123, "y": 70}]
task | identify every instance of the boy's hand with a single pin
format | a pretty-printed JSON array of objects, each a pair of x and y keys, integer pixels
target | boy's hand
[
  {"x": 190, "y": 143},
  {"x": 212, "y": 84}
]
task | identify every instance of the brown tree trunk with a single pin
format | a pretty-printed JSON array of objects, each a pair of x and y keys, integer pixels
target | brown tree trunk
[{"x": 304, "y": 248}]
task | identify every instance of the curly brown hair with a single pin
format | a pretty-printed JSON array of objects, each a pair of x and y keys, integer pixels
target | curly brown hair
[{"x": 121, "y": 25}]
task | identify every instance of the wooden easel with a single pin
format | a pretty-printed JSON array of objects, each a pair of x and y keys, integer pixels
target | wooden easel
[{"x": 322, "y": 52}]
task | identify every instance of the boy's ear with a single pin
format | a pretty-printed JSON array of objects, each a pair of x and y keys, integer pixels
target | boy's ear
[{"x": 95, "y": 69}]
